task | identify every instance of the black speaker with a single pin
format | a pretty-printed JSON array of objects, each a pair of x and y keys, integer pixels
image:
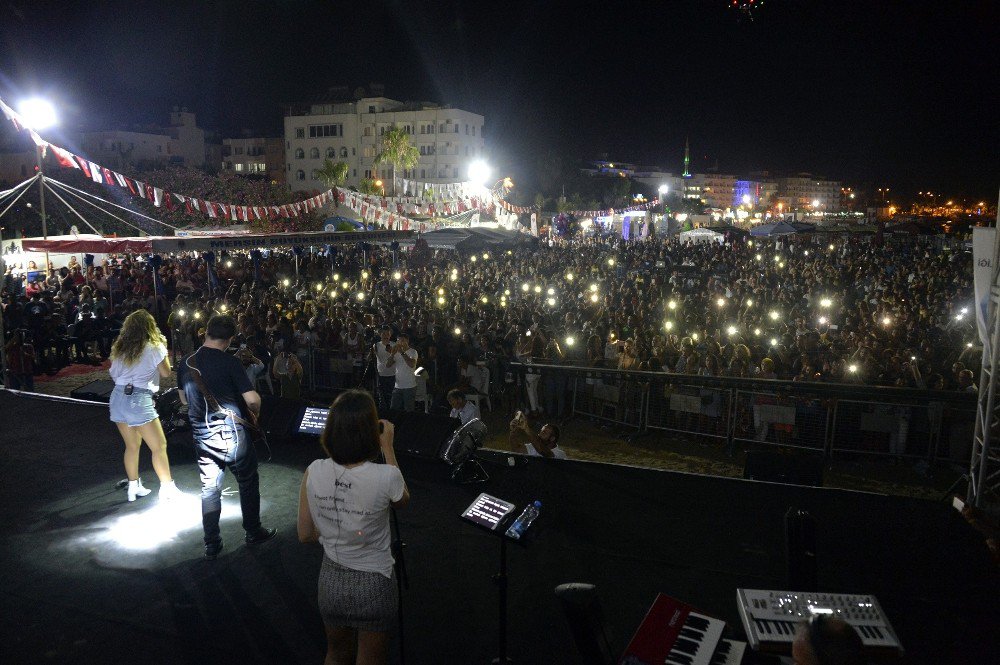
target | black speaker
[
  {"x": 95, "y": 391},
  {"x": 421, "y": 434},
  {"x": 775, "y": 467}
]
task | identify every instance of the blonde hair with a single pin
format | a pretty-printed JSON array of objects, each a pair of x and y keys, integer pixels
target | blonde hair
[{"x": 138, "y": 331}]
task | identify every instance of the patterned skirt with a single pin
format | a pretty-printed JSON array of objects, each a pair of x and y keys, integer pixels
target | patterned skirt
[{"x": 356, "y": 599}]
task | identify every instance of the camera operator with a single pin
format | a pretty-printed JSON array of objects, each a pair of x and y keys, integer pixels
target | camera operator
[
  {"x": 403, "y": 360},
  {"x": 544, "y": 443}
]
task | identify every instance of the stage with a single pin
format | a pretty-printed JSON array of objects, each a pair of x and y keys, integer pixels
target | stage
[{"x": 86, "y": 577}]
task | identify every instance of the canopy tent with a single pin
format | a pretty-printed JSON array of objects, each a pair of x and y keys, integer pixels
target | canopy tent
[
  {"x": 170, "y": 244},
  {"x": 701, "y": 235},
  {"x": 780, "y": 229}
]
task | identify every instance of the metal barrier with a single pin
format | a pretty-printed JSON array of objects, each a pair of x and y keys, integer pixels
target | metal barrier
[
  {"x": 835, "y": 419},
  {"x": 331, "y": 370}
]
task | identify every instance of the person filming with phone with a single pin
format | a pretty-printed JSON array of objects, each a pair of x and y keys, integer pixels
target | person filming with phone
[
  {"x": 344, "y": 503},
  {"x": 544, "y": 443}
]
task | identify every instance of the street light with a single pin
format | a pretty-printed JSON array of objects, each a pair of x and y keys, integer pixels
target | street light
[
  {"x": 40, "y": 114},
  {"x": 479, "y": 172}
]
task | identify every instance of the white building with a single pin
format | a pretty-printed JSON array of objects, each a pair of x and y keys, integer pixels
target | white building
[
  {"x": 182, "y": 143},
  {"x": 448, "y": 139},
  {"x": 809, "y": 194}
]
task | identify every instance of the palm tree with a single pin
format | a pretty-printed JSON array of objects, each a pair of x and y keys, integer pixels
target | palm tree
[
  {"x": 334, "y": 175},
  {"x": 395, "y": 150}
]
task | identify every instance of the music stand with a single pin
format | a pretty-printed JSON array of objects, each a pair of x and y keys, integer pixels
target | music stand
[{"x": 494, "y": 515}]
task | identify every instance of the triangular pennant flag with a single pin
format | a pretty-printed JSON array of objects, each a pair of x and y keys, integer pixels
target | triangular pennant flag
[{"x": 64, "y": 157}]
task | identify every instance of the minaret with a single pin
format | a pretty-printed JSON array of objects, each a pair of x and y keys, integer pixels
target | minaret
[{"x": 687, "y": 157}]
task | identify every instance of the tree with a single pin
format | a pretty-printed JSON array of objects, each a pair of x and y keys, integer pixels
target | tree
[
  {"x": 395, "y": 149},
  {"x": 334, "y": 175}
]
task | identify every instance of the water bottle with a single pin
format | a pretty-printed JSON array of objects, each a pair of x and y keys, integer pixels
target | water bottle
[{"x": 522, "y": 523}]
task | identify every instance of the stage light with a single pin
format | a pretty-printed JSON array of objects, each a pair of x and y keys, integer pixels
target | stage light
[{"x": 459, "y": 452}]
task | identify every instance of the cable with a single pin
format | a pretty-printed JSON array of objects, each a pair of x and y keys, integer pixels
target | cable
[
  {"x": 94, "y": 196},
  {"x": 70, "y": 191},
  {"x": 23, "y": 191},
  {"x": 71, "y": 208}
]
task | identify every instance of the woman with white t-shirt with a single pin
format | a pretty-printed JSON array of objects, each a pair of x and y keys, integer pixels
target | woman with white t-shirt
[
  {"x": 138, "y": 360},
  {"x": 344, "y": 504}
]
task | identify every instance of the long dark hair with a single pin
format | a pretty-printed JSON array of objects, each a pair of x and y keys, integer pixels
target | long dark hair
[{"x": 351, "y": 434}]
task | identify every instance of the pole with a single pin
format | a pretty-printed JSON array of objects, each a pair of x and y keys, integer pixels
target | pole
[
  {"x": 40, "y": 152},
  {"x": 3, "y": 350}
]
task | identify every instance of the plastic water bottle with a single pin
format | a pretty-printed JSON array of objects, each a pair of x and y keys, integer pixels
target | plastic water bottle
[{"x": 522, "y": 523}]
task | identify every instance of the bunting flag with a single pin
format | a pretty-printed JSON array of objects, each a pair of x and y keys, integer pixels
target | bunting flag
[{"x": 157, "y": 195}]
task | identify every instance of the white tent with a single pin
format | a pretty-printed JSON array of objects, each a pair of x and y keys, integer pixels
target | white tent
[{"x": 698, "y": 236}]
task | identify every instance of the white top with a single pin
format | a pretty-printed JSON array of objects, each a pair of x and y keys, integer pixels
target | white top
[
  {"x": 475, "y": 376},
  {"x": 350, "y": 508},
  {"x": 557, "y": 452},
  {"x": 406, "y": 375},
  {"x": 143, "y": 374},
  {"x": 381, "y": 358},
  {"x": 468, "y": 412}
]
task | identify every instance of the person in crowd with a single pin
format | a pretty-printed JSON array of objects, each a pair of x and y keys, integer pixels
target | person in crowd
[
  {"x": 403, "y": 360},
  {"x": 20, "y": 354},
  {"x": 386, "y": 372},
  {"x": 824, "y": 640},
  {"x": 461, "y": 408},
  {"x": 222, "y": 406},
  {"x": 344, "y": 503},
  {"x": 138, "y": 361},
  {"x": 287, "y": 370},
  {"x": 543, "y": 443}
]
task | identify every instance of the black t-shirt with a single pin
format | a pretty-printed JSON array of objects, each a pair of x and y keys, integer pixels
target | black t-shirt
[{"x": 225, "y": 377}]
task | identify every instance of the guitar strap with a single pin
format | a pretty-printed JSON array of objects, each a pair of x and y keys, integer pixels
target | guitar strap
[{"x": 213, "y": 403}]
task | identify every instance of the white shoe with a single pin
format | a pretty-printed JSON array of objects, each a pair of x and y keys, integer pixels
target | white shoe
[
  {"x": 169, "y": 491},
  {"x": 135, "y": 489}
]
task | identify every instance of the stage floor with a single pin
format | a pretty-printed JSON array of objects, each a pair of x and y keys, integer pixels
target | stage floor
[{"x": 86, "y": 577}]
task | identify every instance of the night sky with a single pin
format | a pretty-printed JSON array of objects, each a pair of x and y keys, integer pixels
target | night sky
[{"x": 872, "y": 93}]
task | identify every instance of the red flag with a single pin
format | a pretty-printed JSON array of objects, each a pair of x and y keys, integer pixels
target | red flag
[
  {"x": 64, "y": 157},
  {"x": 83, "y": 165}
]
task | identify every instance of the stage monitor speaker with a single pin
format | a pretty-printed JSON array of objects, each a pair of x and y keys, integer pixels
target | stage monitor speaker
[
  {"x": 279, "y": 416},
  {"x": 421, "y": 434},
  {"x": 95, "y": 391},
  {"x": 776, "y": 467}
]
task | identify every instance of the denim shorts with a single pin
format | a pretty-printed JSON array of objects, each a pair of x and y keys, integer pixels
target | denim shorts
[{"x": 133, "y": 410}]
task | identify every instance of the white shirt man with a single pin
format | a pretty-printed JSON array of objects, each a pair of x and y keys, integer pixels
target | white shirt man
[
  {"x": 403, "y": 360},
  {"x": 462, "y": 408}
]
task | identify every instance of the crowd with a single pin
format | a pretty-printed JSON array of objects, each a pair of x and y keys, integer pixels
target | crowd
[{"x": 809, "y": 308}]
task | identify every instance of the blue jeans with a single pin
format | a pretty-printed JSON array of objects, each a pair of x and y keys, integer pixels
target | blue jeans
[
  {"x": 227, "y": 448},
  {"x": 404, "y": 398}
]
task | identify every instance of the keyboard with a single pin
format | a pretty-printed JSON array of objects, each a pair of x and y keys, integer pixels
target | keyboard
[
  {"x": 771, "y": 618},
  {"x": 729, "y": 652},
  {"x": 673, "y": 633}
]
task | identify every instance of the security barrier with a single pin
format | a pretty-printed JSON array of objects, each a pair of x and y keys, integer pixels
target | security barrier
[{"x": 834, "y": 419}]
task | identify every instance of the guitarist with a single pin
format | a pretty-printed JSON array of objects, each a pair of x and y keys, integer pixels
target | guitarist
[{"x": 223, "y": 409}]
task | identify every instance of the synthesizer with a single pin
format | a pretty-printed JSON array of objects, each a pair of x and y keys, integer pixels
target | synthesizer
[
  {"x": 674, "y": 633},
  {"x": 771, "y": 618}
]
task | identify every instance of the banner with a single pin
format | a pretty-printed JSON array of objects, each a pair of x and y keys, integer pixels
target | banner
[{"x": 983, "y": 240}]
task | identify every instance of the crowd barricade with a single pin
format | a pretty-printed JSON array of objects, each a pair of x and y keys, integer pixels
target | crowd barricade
[
  {"x": 330, "y": 370},
  {"x": 831, "y": 418}
]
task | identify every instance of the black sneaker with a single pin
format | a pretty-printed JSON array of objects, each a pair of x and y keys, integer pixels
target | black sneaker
[
  {"x": 212, "y": 550},
  {"x": 261, "y": 535}
]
